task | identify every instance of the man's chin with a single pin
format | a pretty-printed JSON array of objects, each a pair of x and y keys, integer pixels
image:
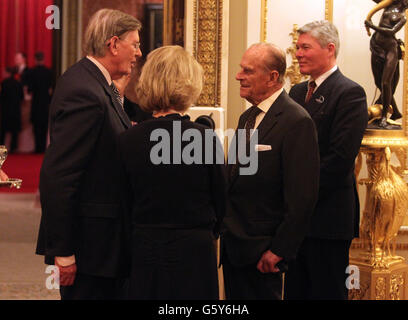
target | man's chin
[
  {"x": 304, "y": 71},
  {"x": 243, "y": 94}
]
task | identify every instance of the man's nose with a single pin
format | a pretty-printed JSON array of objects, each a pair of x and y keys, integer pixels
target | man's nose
[{"x": 138, "y": 53}]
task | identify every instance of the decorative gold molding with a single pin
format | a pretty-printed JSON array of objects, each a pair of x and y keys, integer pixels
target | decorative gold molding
[
  {"x": 293, "y": 72},
  {"x": 380, "y": 289},
  {"x": 207, "y": 48},
  {"x": 328, "y": 14},
  {"x": 264, "y": 19},
  {"x": 167, "y": 22},
  {"x": 405, "y": 86},
  {"x": 71, "y": 50},
  {"x": 396, "y": 286}
]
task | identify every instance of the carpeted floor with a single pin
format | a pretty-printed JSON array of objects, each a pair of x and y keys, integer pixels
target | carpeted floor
[{"x": 22, "y": 273}]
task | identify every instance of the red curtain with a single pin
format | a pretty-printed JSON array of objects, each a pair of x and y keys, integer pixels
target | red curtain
[
  {"x": 7, "y": 34},
  {"x": 23, "y": 28}
]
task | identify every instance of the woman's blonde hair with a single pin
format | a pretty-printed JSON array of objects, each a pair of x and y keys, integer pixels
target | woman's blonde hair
[
  {"x": 171, "y": 79},
  {"x": 105, "y": 24}
]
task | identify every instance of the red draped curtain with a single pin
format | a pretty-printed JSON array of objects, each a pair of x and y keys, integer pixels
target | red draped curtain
[{"x": 23, "y": 29}]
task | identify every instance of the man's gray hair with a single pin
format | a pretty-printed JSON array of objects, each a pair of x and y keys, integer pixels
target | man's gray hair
[
  {"x": 274, "y": 58},
  {"x": 324, "y": 32},
  {"x": 105, "y": 24}
]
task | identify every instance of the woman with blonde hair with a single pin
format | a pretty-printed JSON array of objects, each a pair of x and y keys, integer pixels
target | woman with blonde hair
[{"x": 176, "y": 187}]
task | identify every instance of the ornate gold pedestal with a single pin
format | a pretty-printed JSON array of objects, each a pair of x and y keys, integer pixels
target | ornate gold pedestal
[
  {"x": 383, "y": 274},
  {"x": 376, "y": 284}
]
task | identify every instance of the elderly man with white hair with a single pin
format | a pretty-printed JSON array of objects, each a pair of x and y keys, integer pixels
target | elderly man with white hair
[{"x": 83, "y": 226}]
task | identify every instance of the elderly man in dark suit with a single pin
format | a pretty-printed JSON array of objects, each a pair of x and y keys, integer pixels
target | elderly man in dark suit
[
  {"x": 268, "y": 210},
  {"x": 339, "y": 109},
  {"x": 83, "y": 226}
]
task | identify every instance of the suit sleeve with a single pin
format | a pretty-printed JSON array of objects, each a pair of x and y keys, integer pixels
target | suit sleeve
[
  {"x": 218, "y": 186},
  {"x": 75, "y": 129},
  {"x": 300, "y": 163},
  {"x": 346, "y": 133}
]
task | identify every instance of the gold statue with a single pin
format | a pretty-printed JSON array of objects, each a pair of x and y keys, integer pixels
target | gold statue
[{"x": 386, "y": 207}]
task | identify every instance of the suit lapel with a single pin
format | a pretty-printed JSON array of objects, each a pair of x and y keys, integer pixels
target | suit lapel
[
  {"x": 318, "y": 101},
  {"x": 265, "y": 127},
  {"x": 118, "y": 108},
  {"x": 241, "y": 125},
  {"x": 102, "y": 80},
  {"x": 271, "y": 117}
]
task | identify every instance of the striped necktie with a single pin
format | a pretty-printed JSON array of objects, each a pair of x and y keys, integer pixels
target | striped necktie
[
  {"x": 117, "y": 94},
  {"x": 310, "y": 90}
]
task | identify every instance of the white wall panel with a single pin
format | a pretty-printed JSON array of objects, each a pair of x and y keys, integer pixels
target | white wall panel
[{"x": 281, "y": 17}]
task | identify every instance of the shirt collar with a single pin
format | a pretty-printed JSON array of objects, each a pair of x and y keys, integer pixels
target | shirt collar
[
  {"x": 324, "y": 76},
  {"x": 267, "y": 103},
  {"x": 102, "y": 68}
]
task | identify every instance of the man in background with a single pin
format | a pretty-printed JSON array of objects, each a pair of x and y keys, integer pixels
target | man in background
[
  {"x": 339, "y": 109},
  {"x": 40, "y": 87},
  {"x": 20, "y": 60},
  {"x": 11, "y": 97}
]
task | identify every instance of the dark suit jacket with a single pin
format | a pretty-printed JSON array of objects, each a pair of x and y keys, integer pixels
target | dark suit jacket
[
  {"x": 41, "y": 81},
  {"x": 339, "y": 110},
  {"x": 11, "y": 96},
  {"x": 80, "y": 181},
  {"x": 173, "y": 196},
  {"x": 134, "y": 112},
  {"x": 271, "y": 209}
]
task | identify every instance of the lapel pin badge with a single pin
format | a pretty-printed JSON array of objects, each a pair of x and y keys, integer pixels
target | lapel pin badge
[{"x": 320, "y": 99}]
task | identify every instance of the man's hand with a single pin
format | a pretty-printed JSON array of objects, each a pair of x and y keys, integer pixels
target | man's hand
[
  {"x": 268, "y": 262},
  {"x": 67, "y": 269},
  {"x": 3, "y": 176}
]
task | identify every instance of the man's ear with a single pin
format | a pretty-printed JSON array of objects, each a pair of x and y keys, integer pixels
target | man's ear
[
  {"x": 332, "y": 48},
  {"x": 273, "y": 76},
  {"x": 112, "y": 46}
]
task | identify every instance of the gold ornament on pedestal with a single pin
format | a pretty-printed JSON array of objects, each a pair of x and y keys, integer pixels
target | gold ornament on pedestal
[
  {"x": 383, "y": 274},
  {"x": 386, "y": 208}
]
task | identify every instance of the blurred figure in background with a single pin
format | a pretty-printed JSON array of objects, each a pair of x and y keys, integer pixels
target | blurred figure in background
[
  {"x": 25, "y": 141},
  {"x": 40, "y": 87},
  {"x": 22, "y": 69},
  {"x": 11, "y": 96}
]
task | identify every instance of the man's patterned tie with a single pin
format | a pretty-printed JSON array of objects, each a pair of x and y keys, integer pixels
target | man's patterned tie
[
  {"x": 312, "y": 86},
  {"x": 116, "y": 93}
]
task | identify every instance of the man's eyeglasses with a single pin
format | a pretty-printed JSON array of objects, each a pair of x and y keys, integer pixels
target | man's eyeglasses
[{"x": 136, "y": 45}]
